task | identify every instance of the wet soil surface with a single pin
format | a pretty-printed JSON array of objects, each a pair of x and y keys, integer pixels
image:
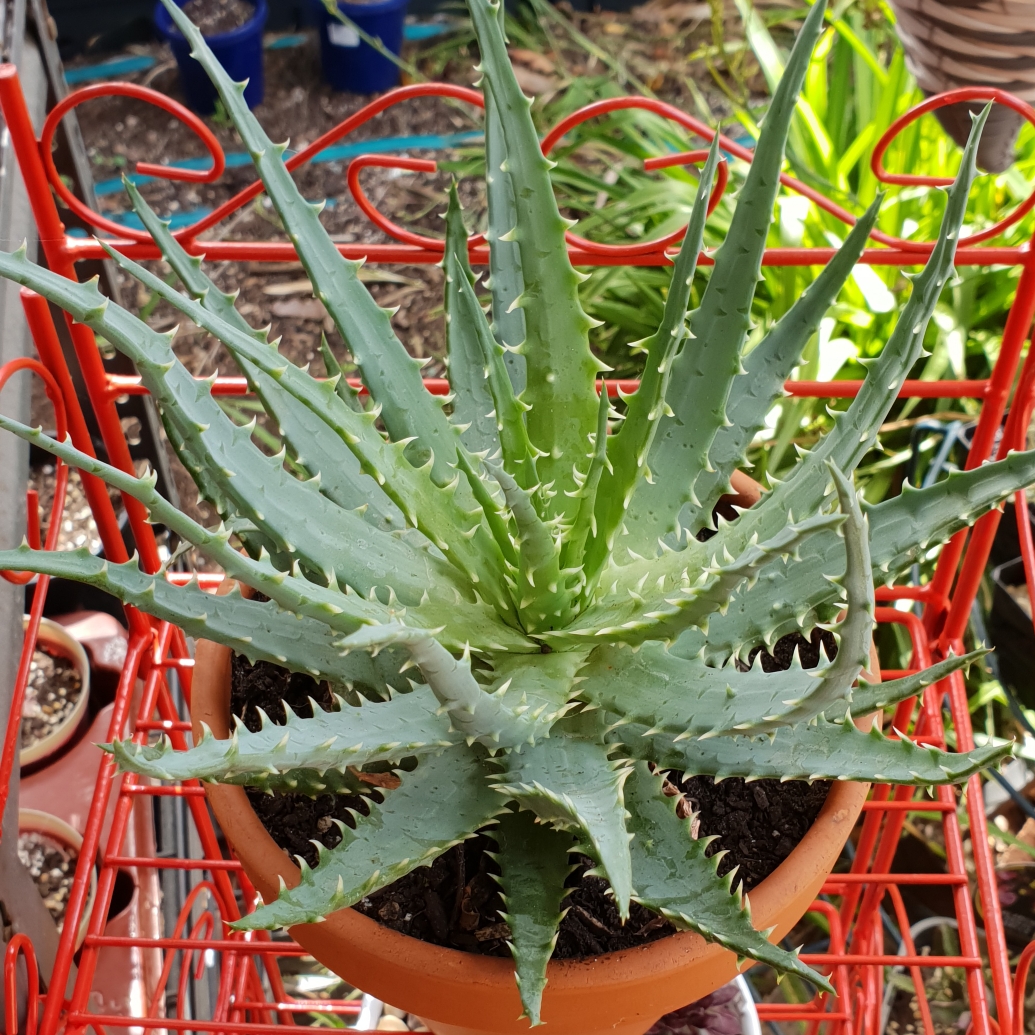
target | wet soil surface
[
  {"x": 52, "y": 692},
  {"x": 213, "y": 17},
  {"x": 52, "y": 866},
  {"x": 455, "y": 901}
]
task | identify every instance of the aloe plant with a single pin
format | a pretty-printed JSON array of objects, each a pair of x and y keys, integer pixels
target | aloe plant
[{"x": 527, "y": 553}]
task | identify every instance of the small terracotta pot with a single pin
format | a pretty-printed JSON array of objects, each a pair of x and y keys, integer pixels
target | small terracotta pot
[
  {"x": 460, "y": 993},
  {"x": 56, "y": 640},
  {"x": 56, "y": 828}
]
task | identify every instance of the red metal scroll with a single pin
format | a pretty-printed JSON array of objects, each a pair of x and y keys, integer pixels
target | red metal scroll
[{"x": 251, "y": 998}]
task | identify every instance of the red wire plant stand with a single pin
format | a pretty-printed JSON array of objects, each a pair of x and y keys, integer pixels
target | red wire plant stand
[{"x": 251, "y": 998}]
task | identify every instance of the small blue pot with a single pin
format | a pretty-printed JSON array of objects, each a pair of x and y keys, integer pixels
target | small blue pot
[
  {"x": 238, "y": 51},
  {"x": 349, "y": 63}
]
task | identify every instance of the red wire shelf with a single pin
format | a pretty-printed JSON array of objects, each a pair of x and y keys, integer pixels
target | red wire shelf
[{"x": 251, "y": 998}]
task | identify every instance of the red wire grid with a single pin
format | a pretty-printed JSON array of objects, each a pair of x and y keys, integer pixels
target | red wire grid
[{"x": 251, "y": 998}]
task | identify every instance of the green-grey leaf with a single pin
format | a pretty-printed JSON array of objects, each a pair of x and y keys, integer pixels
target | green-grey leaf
[
  {"x": 389, "y": 372},
  {"x": 872, "y": 697},
  {"x": 684, "y": 695},
  {"x": 663, "y": 611},
  {"x": 569, "y": 781},
  {"x": 258, "y": 631},
  {"x": 533, "y": 861},
  {"x": 408, "y": 724},
  {"x": 673, "y": 875},
  {"x": 710, "y": 360},
  {"x": 444, "y": 801},
  {"x": 473, "y": 408},
  {"x": 561, "y": 382},
  {"x": 766, "y": 367},
  {"x": 505, "y": 277},
  {"x": 819, "y": 751},
  {"x": 628, "y": 448}
]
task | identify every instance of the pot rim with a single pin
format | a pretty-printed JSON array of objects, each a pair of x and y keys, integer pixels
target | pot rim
[{"x": 167, "y": 28}]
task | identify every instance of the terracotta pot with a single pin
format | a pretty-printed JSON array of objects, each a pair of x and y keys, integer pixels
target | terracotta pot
[{"x": 459, "y": 993}]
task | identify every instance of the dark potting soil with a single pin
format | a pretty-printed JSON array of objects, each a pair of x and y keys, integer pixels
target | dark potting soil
[
  {"x": 213, "y": 17},
  {"x": 456, "y": 902}
]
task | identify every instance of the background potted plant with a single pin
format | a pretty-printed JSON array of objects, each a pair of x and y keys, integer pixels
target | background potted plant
[
  {"x": 350, "y": 62},
  {"x": 233, "y": 31},
  {"x": 575, "y": 636},
  {"x": 49, "y": 849},
  {"x": 57, "y": 694}
]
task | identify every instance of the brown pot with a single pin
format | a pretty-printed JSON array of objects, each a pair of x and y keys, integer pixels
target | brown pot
[{"x": 460, "y": 993}]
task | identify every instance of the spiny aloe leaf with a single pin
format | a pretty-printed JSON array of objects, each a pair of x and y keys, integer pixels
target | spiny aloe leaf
[
  {"x": 585, "y": 524},
  {"x": 441, "y": 803},
  {"x": 786, "y": 598},
  {"x": 904, "y": 528},
  {"x": 308, "y": 782},
  {"x": 856, "y": 428},
  {"x": 408, "y": 724},
  {"x": 534, "y": 863},
  {"x": 766, "y": 367},
  {"x": 340, "y": 610},
  {"x": 458, "y": 533},
  {"x": 704, "y": 370},
  {"x": 674, "y": 876},
  {"x": 258, "y": 631},
  {"x": 494, "y": 511},
  {"x": 628, "y": 448},
  {"x": 872, "y": 697},
  {"x": 474, "y": 713},
  {"x": 561, "y": 382},
  {"x": 389, "y": 372},
  {"x": 322, "y": 453},
  {"x": 541, "y": 685},
  {"x": 208, "y": 483},
  {"x": 543, "y": 600},
  {"x": 684, "y": 696},
  {"x": 332, "y": 540},
  {"x": 506, "y": 411},
  {"x": 315, "y": 446},
  {"x": 855, "y": 633},
  {"x": 819, "y": 751},
  {"x": 505, "y": 278},
  {"x": 342, "y": 388},
  {"x": 569, "y": 781},
  {"x": 473, "y": 409},
  {"x": 661, "y": 612}
]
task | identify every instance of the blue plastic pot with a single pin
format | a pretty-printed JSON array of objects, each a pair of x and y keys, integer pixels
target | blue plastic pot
[
  {"x": 349, "y": 63},
  {"x": 238, "y": 51}
]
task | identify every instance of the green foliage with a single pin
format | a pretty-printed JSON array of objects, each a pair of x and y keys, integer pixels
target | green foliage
[
  {"x": 855, "y": 87},
  {"x": 539, "y": 577}
]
